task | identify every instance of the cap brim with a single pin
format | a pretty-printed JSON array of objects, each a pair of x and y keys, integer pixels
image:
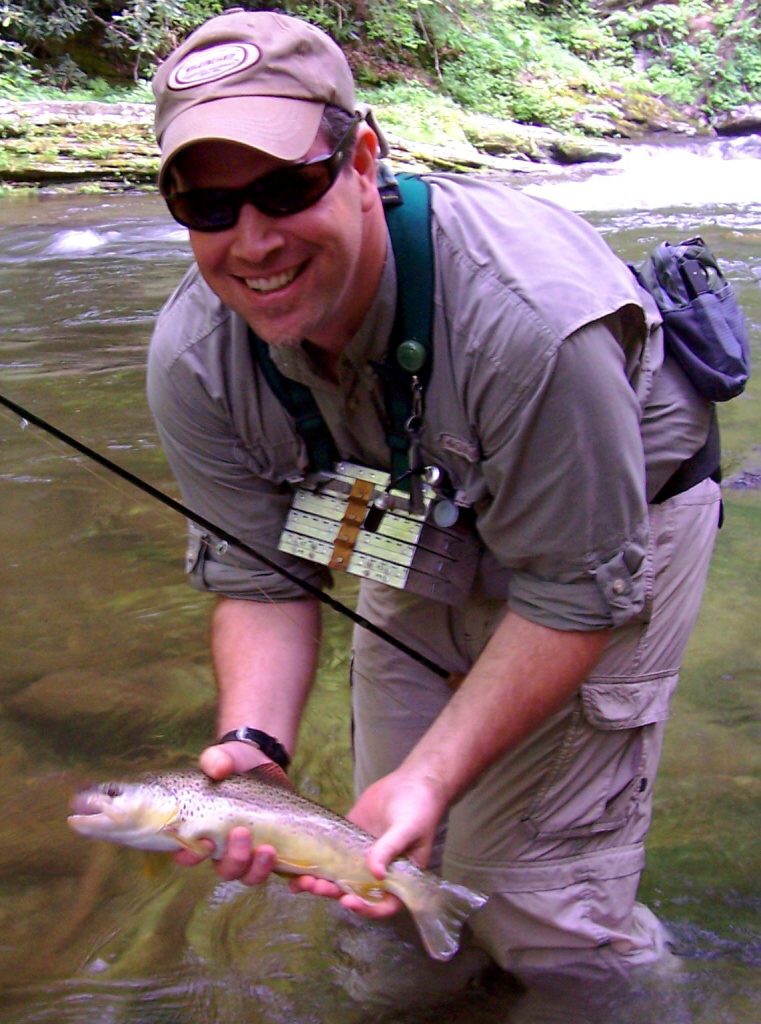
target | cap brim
[{"x": 282, "y": 127}]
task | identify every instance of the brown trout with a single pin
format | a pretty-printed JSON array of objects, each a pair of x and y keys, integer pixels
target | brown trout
[{"x": 176, "y": 809}]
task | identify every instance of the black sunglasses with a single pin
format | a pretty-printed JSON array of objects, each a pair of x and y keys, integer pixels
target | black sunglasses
[{"x": 282, "y": 192}]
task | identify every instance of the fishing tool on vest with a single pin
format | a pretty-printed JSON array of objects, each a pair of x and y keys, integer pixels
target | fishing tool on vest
[{"x": 403, "y": 527}]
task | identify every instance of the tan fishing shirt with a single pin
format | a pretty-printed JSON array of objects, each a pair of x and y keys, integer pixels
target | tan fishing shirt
[{"x": 549, "y": 406}]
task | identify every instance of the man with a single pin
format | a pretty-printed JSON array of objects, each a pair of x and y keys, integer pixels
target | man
[{"x": 554, "y": 417}]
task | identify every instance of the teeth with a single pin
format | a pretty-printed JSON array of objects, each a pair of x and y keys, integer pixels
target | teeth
[{"x": 271, "y": 284}]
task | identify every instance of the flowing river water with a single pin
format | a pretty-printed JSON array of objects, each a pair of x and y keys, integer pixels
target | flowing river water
[{"x": 105, "y": 668}]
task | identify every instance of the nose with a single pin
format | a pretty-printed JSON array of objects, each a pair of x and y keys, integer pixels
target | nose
[{"x": 256, "y": 236}]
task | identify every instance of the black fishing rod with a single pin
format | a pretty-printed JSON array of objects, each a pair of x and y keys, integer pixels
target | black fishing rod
[{"x": 199, "y": 520}]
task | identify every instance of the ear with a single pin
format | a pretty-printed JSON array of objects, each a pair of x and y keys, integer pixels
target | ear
[{"x": 364, "y": 162}]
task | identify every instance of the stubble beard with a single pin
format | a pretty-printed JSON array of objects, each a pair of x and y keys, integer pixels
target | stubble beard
[{"x": 282, "y": 336}]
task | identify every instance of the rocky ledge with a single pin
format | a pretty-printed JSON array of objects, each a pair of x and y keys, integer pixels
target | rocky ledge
[{"x": 111, "y": 145}]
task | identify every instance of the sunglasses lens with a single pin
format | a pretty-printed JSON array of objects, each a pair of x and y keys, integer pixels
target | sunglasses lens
[
  {"x": 206, "y": 209},
  {"x": 292, "y": 189}
]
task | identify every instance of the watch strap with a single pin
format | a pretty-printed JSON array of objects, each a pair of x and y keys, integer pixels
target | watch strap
[{"x": 269, "y": 746}]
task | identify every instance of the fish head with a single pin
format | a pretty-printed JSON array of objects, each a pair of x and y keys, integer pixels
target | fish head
[{"x": 132, "y": 814}]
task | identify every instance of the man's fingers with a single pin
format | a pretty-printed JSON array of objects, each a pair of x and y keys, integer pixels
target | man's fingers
[
  {"x": 241, "y": 862},
  {"x": 188, "y": 860},
  {"x": 315, "y": 886},
  {"x": 262, "y": 865},
  {"x": 385, "y": 907},
  {"x": 216, "y": 762},
  {"x": 395, "y": 843},
  {"x": 237, "y": 856}
]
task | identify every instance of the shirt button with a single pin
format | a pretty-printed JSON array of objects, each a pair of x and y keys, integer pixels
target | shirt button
[{"x": 619, "y": 586}]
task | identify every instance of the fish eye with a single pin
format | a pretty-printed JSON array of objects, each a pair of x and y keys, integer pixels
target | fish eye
[{"x": 112, "y": 789}]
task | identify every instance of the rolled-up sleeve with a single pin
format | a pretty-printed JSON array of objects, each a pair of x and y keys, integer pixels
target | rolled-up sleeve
[
  {"x": 225, "y": 476},
  {"x": 564, "y": 469}
]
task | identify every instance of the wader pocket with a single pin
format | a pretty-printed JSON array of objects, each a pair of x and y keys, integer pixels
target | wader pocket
[
  {"x": 605, "y": 764},
  {"x": 206, "y": 566},
  {"x": 612, "y": 704}
]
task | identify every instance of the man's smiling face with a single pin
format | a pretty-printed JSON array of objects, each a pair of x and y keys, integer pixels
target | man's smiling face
[{"x": 307, "y": 276}]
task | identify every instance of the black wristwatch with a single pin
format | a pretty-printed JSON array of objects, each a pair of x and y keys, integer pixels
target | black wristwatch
[{"x": 269, "y": 746}]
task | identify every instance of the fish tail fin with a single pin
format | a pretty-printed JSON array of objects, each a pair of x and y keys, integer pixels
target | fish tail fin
[{"x": 439, "y": 910}]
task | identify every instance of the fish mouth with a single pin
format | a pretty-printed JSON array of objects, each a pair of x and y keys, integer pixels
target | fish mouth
[{"x": 88, "y": 802}]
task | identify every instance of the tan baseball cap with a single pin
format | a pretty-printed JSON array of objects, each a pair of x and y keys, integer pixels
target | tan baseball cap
[{"x": 253, "y": 77}]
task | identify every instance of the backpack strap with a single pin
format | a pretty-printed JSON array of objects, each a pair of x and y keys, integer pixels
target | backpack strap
[
  {"x": 409, "y": 358},
  {"x": 704, "y": 463}
]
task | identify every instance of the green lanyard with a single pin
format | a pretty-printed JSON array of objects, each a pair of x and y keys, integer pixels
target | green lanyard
[{"x": 406, "y": 370}]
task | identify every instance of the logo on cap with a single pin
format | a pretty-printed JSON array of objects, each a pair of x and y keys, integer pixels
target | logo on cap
[{"x": 210, "y": 65}]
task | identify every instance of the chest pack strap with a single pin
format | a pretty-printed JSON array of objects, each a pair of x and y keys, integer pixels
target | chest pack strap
[{"x": 406, "y": 204}]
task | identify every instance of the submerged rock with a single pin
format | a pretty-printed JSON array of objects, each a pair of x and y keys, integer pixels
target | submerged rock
[{"x": 166, "y": 703}]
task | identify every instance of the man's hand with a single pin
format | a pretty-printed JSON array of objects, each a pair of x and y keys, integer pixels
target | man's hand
[
  {"x": 240, "y": 861},
  {"x": 403, "y": 809},
  {"x": 404, "y": 812}
]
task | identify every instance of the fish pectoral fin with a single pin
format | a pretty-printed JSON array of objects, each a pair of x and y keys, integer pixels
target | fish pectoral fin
[{"x": 194, "y": 845}]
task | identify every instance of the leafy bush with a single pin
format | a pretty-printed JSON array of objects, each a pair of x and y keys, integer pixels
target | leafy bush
[
  {"x": 126, "y": 37},
  {"x": 535, "y": 60},
  {"x": 697, "y": 52},
  {"x": 416, "y": 112}
]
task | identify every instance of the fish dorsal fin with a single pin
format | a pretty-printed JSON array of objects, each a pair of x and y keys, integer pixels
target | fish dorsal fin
[{"x": 272, "y": 775}]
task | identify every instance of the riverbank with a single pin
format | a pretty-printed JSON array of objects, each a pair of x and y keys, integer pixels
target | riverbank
[
  {"x": 97, "y": 146},
  {"x": 93, "y": 146},
  {"x": 88, "y": 146}
]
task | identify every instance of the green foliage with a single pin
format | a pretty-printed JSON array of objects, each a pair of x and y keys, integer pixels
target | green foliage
[
  {"x": 337, "y": 19},
  {"x": 395, "y": 22},
  {"x": 416, "y": 112},
  {"x": 697, "y": 52},
  {"x": 538, "y": 61},
  {"x": 64, "y": 41}
]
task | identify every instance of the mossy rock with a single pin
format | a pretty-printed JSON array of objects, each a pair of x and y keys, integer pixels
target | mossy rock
[
  {"x": 11, "y": 128},
  {"x": 571, "y": 150},
  {"x": 647, "y": 113},
  {"x": 742, "y": 121},
  {"x": 506, "y": 138},
  {"x": 78, "y": 142}
]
